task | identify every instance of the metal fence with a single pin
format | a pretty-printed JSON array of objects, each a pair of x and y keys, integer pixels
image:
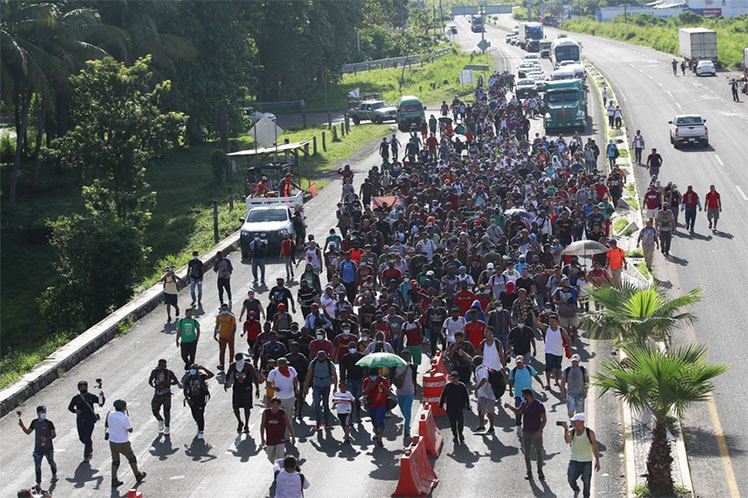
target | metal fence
[{"x": 355, "y": 67}]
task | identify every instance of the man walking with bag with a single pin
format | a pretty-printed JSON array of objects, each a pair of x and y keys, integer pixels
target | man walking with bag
[
  {"x": 161, "y": 380},
  {"x": 82, "y": 405},
  {"x": 119, "y": 427},
  {"x": 583, "y": 448}
]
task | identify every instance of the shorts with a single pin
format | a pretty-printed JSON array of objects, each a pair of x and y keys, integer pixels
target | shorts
[
  {"x": 712, "y": 214},
  {"x": 345, "y": 419},
  {"x": 569, "y": 321},
  {"x": 415, "y": 353},
  {"x": 170, "y": 299},
  {"x": 652, "y": 213},
  {"x": 486, "y": 405},
  {"x": 552, "y": 362},
  {"x": 276, "y": 451},
  {"x": 289, "y": 405},
  {"x": 241, "y": 400},
  {"x": 377, "y": 415},
  {"x": 574, "y": 403}
]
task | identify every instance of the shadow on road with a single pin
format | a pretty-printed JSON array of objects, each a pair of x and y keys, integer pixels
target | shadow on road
[
  {"x": 161, "y": 447},
  {"x": 83, "y": 474},
  {"x": 199, "y": 451},
  {"x": 703, "y": 443}
]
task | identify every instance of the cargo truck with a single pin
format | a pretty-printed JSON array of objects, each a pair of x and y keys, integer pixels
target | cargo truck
[
  {"x": 565, "y": 49},
  {"x": 565, "y": 105},
  {"x": 744, "y": 79},
  {"x": 530, "y": 34},
  {"x": 697, "y": 44}
]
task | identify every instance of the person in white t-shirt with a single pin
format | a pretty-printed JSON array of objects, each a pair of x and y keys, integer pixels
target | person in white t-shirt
[
  {"x": 289, "y": 481},
  {"x": 452, "y": 325},
  {"x": 486, "y": 398},
  {"x": 119, "y": 428},
  {"x": 285, "y": 381},
  {"x": 342, "y": 401}
]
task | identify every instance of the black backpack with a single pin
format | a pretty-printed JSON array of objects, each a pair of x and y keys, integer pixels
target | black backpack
[{"x": 498, "y": 382}]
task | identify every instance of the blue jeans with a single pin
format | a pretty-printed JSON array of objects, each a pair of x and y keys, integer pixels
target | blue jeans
[
  {"x": 354, "y": 387},
  {"x": 577, "y": 469},
  {"x": 321, "y": 399},
  {"x": 39, "y": 454},
  {"x": 517, "y": 418},
  {"x": 690, "y": 218},
  {"x": 196, "y": 282},
  {"x": 405, "y": 402},
  {"x": 258, "y": 263},
  {"x": 503, "y": 338}
]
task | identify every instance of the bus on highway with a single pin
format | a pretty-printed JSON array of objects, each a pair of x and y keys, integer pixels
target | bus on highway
[
  {"x": 565, "y": 49},
  {"x": 477, "y": 24}
]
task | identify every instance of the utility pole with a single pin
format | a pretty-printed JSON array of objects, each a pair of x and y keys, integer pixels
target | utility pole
[
  {"x": 529, "y": 10},
  {"x": 441, "y": 18},
  {"x": 358, "y": 41}
]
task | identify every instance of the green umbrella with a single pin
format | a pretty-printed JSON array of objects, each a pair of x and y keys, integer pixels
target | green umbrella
[{"x": 381, "y": 360}]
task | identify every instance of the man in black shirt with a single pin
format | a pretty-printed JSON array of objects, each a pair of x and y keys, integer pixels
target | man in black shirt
[
  {"x": 525, "y": 282},
  {"x": 280, "y": 294},
  {"x": 258, "y": 249},
  {"x": 300, "y": 363},
  {"x": 252, "y": 304},
  {"x": 307, "y": 296},
  {"x": 461, "y": 355},
  {"x": 435, "y": 316},
  {"x": 195, "y": 270},
  {"x": 353, "y": 375},
  {"x": 564, "y": 226},
  {"x": 82, "y": 405},
  {"x": 521, "y": 338},
  {"x": 456, "y": 396},
  {"x": 44, "y": 433}
]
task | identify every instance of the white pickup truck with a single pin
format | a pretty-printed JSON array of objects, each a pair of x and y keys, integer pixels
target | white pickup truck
[
  {"x": 270, "y": 218},
  {"x": 688, "y": 128}
]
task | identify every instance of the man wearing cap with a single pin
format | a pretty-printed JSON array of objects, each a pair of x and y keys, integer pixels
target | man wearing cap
[
  {"x": 241, "y": 375},
  {"x": 455, "y": 395},
  {"x": 320, "y": 377},
  {"x": 170, "y": 280},
  {"x": 616, "y": 260},
  {"x": 520, "y": 378},
  {"x": 284, "y": 380},
  {"x": 574, "y": 383},
  {"x": 583, "y": 444},
  {"x": 119, "y": 427},
  {"x": 44, "y": 433}
]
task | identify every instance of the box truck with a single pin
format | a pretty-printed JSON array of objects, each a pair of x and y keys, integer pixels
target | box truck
[{"x": 697, "y": 44}]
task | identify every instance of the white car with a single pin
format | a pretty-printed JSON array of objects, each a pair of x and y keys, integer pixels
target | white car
[
  {"x": 532, "y": 58},
  {"x": 254, "y": 115},
  {"x": 688, "y": 128},
  {"x": 706, "y": 67}
]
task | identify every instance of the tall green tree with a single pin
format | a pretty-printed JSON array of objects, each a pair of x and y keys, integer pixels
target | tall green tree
[
  {"x": 660, "y": 382},
  {"x": 632, "y": 314},
  {"x": 40, "y": 44},
  {"x": 119, "y": 127}
]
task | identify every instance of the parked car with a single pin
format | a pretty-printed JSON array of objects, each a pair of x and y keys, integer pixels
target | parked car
[
  {"x": 706, "y": 67},
  {"x": 254, "y": 115},
  {"x": 376, "y": 111},
  {"x": 531, "y": 58},
  {"x": 688, "y": 128}
]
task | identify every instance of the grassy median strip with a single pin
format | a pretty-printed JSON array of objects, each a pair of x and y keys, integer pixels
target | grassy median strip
[{"x": 182, "y": 222}]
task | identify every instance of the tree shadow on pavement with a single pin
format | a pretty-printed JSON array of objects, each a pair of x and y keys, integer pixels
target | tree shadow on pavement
[
  {"x": 245, "y": 448},
  {"x": 199, "y": 450},
  {"x": 703, "y": 443},
  {"x": 83, "y": 474},
  {"x": 162, "y": 448}
]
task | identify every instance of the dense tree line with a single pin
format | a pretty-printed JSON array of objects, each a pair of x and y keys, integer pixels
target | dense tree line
[{"x": 217, "y": 55}]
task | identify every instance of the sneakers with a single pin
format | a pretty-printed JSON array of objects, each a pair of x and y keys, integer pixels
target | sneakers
[
  {"x": 490, "y": 431},
  {"x": 541, "y": 476},
  {"x": 116, "y": 483},
  {"x": 166, "y": 431},
  {"x": 317, "y": 426},
  {"x": 177, "y": 312},
  {"x": 480, "y": 428},
  {"x": 327, "y": 425},
  {"x": 462, "y": 438},
  {"x": 140, "y": 477},
  {"x": 200, "y": 435},
  {"x": 239, "y": 427},
  {"x": 160, "y": 427},
  {"x": 220, "y": 367}
]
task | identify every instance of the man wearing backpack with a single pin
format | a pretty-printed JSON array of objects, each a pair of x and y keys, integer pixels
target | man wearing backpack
[
  {"x": 583, "y": 447},
  {"x": 196, "y": 394},
  {"x": 574, "y": 382},
  {"x": 188, "y": 330},
  {"x": 222, "y": 266},
  {"x": 161, "y": 380},
  {"x": 485, "y": 395},
  {"x": 289, "y": 482},
  {"x": 320, "y": 377}
]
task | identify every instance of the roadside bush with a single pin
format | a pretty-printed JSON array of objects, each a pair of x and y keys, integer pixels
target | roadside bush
[
  {"x": 220, "y": 165},
  {"x": 7, "y": 149}
]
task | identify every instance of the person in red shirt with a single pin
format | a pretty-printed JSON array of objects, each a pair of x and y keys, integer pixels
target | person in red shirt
[
  {"x": 376, "y": 389},
  {"x": 713, "y": 206},
  {"x": 652, "y": 202},
  {"x": 288, "y": 252},
  {"x": 474, "y": 329},
  {"x": 341, "y": 343},
  {"x": 689, "y": 203},
  {"x": 413, "y": 338},
  {"x": 464, "y": 299},
  {"x": 601, "y": 189},
  {"x": 356, "y": 253},
  {"x": 432, "y": 143},
  {"x": 252, "y": 328}
]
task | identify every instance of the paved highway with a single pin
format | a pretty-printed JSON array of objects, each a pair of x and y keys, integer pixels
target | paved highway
[
  {"x": 230, "y": 465},
  {"x": 651, "y": 96}
]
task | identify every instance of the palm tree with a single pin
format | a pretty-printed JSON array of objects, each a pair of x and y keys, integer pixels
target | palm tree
[
  {"x": 660, "y": 382},
  {"x": 633, "y": 314}
]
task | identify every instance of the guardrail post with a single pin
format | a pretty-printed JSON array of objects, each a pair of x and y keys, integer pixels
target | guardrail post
[
  {"x": 329, "y": 120},
  {"x": 324, "y": 144},
  {"x": 231, "y": 198},
  {"x": 314, "y": 144},
  {"x": 342, "y": 130},
  {"x": 334, "y": 134},
  {"x": 215, "y": 222},
  {"x": 347, "y": 124}
]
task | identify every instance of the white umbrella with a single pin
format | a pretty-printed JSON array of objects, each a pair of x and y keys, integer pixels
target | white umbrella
[{"x": 584, "y": 247}]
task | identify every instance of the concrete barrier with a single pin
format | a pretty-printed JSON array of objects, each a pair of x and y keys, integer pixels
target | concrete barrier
[{"x": 95, "y": 337}]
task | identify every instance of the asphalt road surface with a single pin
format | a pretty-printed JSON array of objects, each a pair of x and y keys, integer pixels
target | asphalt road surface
[
  {"x": 234, "y": 465},
  {"x": 716, "y": 261}
]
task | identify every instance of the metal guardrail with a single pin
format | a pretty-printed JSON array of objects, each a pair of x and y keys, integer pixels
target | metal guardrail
[{"x": 394, "y": 61}]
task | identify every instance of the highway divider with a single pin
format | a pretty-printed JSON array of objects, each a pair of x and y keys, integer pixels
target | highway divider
[{"x": 96, "y": 336}]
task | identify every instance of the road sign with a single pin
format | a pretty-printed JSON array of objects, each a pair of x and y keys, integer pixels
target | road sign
[
  {"x": 484, "y": 44},
  {"x": 465, "y": 10},
  {"x": 466, "y": 76},
  {"x": 472, "y": 10},
  {"x": 498, "y": 9},
  {"x": 265, "y": 132},
  {"x": 477, "y": 67}
]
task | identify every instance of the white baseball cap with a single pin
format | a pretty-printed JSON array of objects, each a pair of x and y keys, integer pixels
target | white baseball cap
[
  {"x": 578, "y": 417},
  {"x": 575, "y": 357},
  {"x": 489, "y": 266}
]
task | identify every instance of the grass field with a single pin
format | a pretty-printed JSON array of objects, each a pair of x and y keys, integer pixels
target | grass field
[
  {"x": 662, "y": 34},
  {"x": 181, "y": 222},
  {"x": 417, "y": 80}
]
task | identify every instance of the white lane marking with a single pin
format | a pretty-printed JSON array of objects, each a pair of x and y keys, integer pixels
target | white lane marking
[
  {"x": 716, "y": 156},
  {"x": 650, "y": 77},
  {"x": 742, "y": 194},
  {"x": 640, "y": 70},
  {"x": 669, "y": 93},
  {"x": 659, "y": 83},
  {"x": 678, "y": 104},
  {"x": 175, "y": 478}
]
